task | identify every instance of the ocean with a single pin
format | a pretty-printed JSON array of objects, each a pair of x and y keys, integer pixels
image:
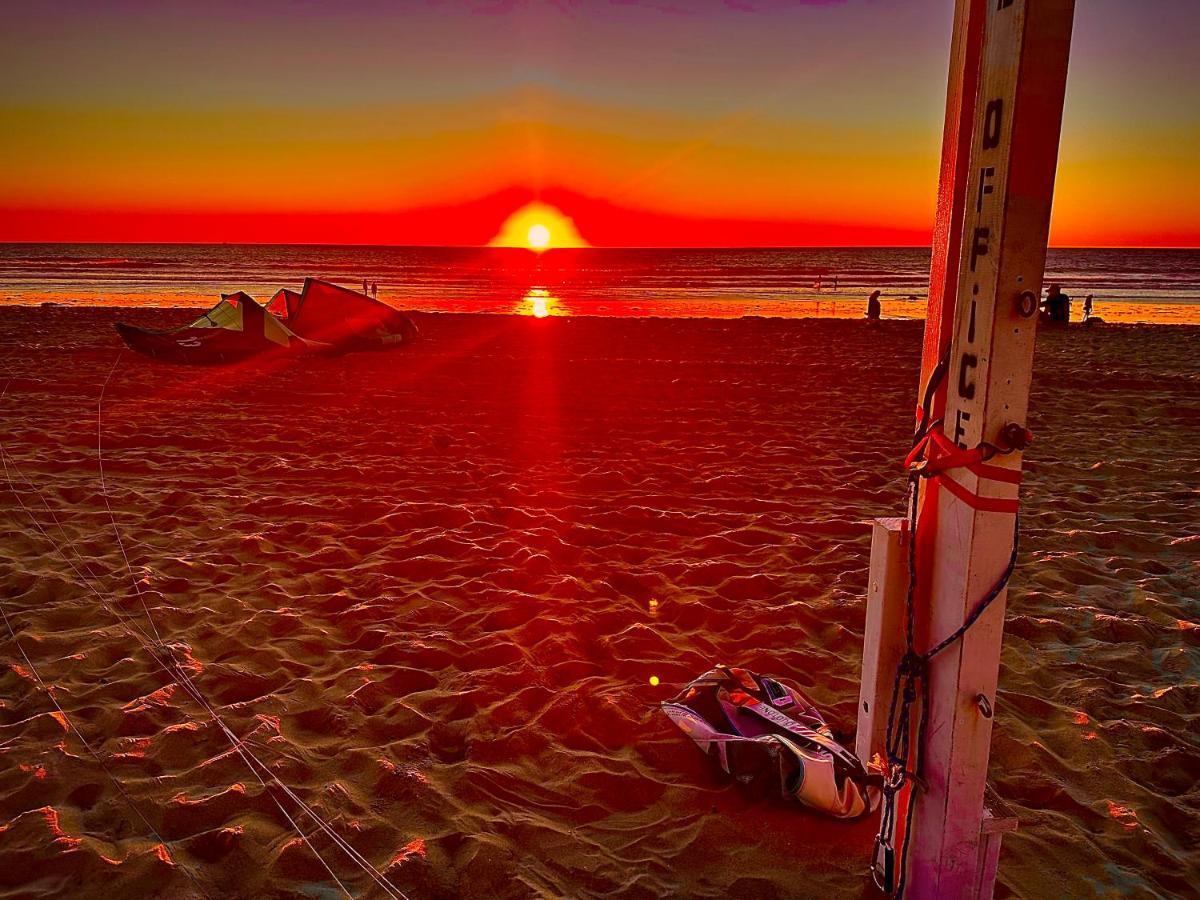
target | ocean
[{"x": 1129, "y": 285}]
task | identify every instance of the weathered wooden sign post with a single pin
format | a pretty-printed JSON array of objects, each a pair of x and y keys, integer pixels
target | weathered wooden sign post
[{"x": 1000, "y": 152}]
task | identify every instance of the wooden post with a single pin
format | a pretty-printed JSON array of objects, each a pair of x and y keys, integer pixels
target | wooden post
[
  {"x": 962, "y": 93},
  {"x": 883, "y": 634},
  {"x": 962, "y": 89},
  {"x": 966, "y": 527}
]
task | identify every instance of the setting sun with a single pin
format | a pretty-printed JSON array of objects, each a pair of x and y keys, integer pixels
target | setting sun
[
  {"x": 538, "y": 227},
  {"x": 538, "y": 237}
]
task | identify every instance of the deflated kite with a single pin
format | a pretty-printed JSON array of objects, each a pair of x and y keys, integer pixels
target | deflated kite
[{"x": 323, "y": 317}]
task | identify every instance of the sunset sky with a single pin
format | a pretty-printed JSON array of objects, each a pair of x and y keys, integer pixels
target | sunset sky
[{"x": 647, "y": 122}]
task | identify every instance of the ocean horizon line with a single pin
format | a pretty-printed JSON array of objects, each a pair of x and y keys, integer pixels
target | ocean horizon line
[{"x": 1166, "y": 248}]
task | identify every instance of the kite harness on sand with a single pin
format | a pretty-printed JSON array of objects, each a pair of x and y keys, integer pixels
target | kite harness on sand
[{"x": 759, "y": 728}]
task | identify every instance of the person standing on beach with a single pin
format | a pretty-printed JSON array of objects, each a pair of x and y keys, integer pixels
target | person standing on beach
[
  {"x": 364, "y": 285},
  {"x": 1057, "y": 305},
  {"x": 1087, "y": 307},
  {"x": 375, "y": 289},
  {"x": 874, "y": 307}
]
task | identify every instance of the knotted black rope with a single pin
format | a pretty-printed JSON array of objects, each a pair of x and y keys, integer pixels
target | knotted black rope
[{"x": 912, "y": 677}]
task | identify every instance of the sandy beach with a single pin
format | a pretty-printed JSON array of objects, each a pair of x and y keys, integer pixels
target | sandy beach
[{"x": 419, "y": 584}]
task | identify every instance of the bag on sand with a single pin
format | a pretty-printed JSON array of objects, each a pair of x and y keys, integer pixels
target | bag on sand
[{"x": 760, "y": 728}]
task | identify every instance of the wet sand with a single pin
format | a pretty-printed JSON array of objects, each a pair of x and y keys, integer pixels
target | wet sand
[{"x": 419, "y": 583}]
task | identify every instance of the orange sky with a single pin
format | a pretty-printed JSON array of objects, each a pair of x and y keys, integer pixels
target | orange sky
[{"x": 782, "y": 123}]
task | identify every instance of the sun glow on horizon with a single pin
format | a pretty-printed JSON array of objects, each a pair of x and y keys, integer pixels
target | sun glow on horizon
[{"x": 538, "y": 227}]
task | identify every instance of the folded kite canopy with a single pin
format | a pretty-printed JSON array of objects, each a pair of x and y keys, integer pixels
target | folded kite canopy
[
  {"x": 346, "y": 319},
  {"x": 284, "y": 304},
  {"x": 324, "y": 316},
  {"x": 233, "y": 330}
]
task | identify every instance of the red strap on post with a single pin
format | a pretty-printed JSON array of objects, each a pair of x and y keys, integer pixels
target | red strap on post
[
  {"x": 976, "y": 501},
  {"x": 937, "y": 454}
]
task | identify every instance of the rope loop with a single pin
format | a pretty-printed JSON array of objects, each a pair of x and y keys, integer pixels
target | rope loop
[
  {"x": 914, "y": 664},
  {"x": 896, "y": 779}
]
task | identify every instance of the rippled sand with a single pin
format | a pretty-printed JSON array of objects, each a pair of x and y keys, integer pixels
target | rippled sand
[{"x": 419, "y": 583}]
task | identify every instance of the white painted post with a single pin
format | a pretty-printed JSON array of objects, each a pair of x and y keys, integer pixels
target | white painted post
[
  {"x": 884, "y": 631},
  {"x": 883, "y": 634},
  {"x": 966, "y": 54},
  {"x": 1014, "y": 152}
]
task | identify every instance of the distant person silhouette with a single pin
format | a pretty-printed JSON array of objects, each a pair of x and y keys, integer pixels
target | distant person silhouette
[
  {"x": 874, "y": 307},
  {"x": 364, "y": 285},
  {"x": 1087, "y": 307},
  {"x": 1057, "y": 306},
  {"x": 375, "y": 289}
]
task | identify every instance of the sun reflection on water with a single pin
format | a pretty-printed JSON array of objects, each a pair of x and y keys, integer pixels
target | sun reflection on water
[{"x": 540, "y": 303}]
